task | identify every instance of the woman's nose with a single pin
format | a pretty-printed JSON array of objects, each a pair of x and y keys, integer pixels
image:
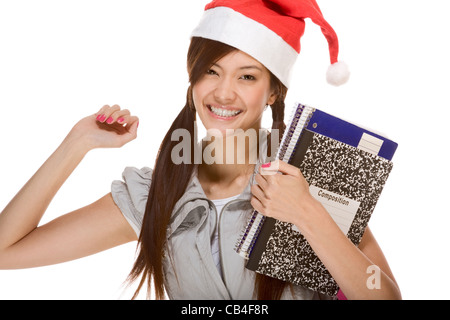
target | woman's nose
[{"x": 225, "y": 91}]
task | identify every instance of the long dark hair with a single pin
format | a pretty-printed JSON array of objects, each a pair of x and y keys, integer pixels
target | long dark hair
[{"x": 169, "y": 180}]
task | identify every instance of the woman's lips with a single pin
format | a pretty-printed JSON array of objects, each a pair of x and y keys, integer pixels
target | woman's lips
[{"x": 223, "y": 112}]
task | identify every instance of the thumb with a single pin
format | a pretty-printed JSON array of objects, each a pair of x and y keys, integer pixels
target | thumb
[
  {"x": 280, "y": 166},
  {"x": 133, "y": 128},
  {"x": 130, "y": 133}
]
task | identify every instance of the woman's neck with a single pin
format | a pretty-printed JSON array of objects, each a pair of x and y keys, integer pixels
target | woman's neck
[
  {"x": 221, "y": 181},
  {"x": 227, "y": 165}
]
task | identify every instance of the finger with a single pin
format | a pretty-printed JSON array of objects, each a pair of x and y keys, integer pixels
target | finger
[
  {"x": 262, "y": 181},
  {"x": 104, "y": 114},
  {"x": 100, "y": 114},
  {"x": 109, "y": 112},
  {"x": 132, "y": 124},
  {"x": 267, "y": 186},
  {"x": 126, "y": 129},
  {"x": 119, "y": 116},
  {"x": 266, "y": 177},
  {"x": 269, "y": 168},
  {"x": 257, "y": 205},
  {"x": 125, "y": 133},
  {"x": 102, "y": 109},
  {"x": 283, "y": 167},
  {"x": 258, "y": 193}
]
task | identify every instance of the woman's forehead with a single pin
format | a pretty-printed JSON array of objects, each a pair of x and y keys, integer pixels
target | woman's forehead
[{"x": 239, "y": 60}]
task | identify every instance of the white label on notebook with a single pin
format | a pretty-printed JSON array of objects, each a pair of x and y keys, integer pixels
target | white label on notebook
[
  {"x": 340, "y": 208},
  {"x": 370, "y": 143}
]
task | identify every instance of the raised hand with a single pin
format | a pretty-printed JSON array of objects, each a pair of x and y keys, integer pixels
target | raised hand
[
  {"x": 110, "y": 127},
  {"x": 23, "y": 243}
]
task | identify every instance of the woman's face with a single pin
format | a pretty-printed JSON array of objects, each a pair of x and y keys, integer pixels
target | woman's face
[{"x": 233, "y": 93}]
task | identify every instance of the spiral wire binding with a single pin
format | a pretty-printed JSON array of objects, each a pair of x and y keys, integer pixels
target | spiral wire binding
[{"x": 299, "y": 119}]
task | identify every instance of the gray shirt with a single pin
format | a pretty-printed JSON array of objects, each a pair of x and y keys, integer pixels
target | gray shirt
[{"x": 189, "y": 268}]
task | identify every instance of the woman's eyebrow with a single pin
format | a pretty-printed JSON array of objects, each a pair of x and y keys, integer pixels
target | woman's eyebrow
[
  {"x": 251, "y": 67},
  {"x": 241, "y": 68}
]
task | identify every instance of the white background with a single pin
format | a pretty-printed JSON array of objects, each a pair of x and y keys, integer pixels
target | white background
[{"x": 62, "y": 60}]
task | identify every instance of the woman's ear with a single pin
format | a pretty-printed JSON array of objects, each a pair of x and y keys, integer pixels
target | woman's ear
[{"x": 272, "y": 98}]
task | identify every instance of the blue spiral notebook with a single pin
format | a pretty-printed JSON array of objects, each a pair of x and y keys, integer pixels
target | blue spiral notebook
[
  {"x": 346, "y": 167},
  {"x": 351, "y": 134}
]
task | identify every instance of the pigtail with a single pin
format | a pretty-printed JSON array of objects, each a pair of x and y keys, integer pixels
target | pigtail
[
  {"x": 169, "y": 182},
  {"x": 268, "y": 288}
]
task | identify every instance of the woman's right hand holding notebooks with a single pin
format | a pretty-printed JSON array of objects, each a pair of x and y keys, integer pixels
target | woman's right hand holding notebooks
[{"x": 285, "y": 196}]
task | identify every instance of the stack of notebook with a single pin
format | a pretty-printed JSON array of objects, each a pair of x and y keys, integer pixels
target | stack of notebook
[{"x": 346, "y": 167}]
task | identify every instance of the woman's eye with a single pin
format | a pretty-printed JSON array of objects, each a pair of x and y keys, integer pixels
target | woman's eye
[
  {"x": 211, "y": 72},
  {"x": 248, "y": 77}
]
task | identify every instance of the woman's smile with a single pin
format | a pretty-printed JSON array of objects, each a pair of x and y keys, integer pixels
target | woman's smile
[{"x": 223, "y": 112}]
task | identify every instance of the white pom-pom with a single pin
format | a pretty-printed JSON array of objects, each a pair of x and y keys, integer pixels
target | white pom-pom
[{"x": 338, "y": 73}]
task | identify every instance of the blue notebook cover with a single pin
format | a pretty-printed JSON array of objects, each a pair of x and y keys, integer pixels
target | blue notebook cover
[{"x": 351, "y": 134}]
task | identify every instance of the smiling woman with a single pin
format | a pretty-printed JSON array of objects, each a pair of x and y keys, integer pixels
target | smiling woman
[
  {"x": 179, "y": 212},
  {"x": 223, "y": 86},
  {"x": 233, "y": 93}
]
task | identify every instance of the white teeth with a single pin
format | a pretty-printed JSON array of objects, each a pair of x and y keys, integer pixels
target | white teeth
[{"x": 223, "y": 112}]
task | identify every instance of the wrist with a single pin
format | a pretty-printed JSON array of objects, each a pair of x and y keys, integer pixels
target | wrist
[
  {"x": 312, "y": 218},
  {"x": 75, "y": 145}
]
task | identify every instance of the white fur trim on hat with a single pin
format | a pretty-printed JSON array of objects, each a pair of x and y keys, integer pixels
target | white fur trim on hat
[{"x": 233, "y": 28}]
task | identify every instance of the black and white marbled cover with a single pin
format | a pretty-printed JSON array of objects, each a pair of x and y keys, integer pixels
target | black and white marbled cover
[{"x": 339, "y": 168}]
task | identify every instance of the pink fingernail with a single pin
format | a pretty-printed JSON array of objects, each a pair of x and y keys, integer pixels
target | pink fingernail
[
  {"x": 120, "y": 120},
  {"x": 98, "y": 117},
  {"x": 265, "y": 165},
  {"x": 110, "y": 120},
  {"x": 102, "y": 118}
]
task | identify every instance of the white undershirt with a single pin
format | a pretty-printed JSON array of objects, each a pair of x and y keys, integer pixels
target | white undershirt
[{"x": 215, "y": 250}]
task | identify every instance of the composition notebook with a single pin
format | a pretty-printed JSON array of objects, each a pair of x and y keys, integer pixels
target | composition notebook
[{"x": 346, "y": 168}]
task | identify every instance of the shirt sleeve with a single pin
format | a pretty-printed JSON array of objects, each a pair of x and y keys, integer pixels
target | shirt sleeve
[{"x": 131, "y": 194}]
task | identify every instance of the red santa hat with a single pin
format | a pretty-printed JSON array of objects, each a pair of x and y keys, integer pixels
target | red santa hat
[{"x": 270, "y": 32}]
